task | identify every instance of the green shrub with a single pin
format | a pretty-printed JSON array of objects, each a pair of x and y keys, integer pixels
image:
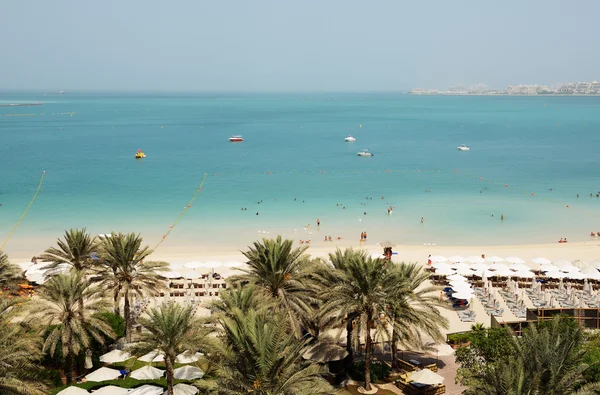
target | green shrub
[
  {"x": 379, "y": 371},
  {"x": 459, "y": 338},
  {"x": 116, "y": 322}
]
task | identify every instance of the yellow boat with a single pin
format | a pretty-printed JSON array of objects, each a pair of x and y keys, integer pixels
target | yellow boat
[{"x": 140, "y": 154}]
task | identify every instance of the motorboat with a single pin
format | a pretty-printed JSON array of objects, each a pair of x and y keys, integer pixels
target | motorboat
[
  {"x": 140, "y": 154},
  {"x": 464, "y": 148},
  {"x": 349, "y": 139},
  {"x": 364, "y": 152},
  {"x": 236, "y": 139}
]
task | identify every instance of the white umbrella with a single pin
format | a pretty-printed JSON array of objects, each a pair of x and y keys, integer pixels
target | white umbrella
[
  {"x": 595, "y": 264},
  {"x": 440, "y": 349},
  {"x": 188, "y": 373},
  {"x": 550, "y": 268},
  {"x": 541, "y": 261},
  {"x": 147, "y": 373},
  {"x": 73, "y": 391},
  {"x": 185, "y": 357},
  {"x": 426, "y": 376},
  {"x": 462, "y": 295},
  {"x": 456, "y": 277},
  {"x": 460, "y": 265},
  {"x": 591, "y": 273},
  {"x": 194, "y": 265},
  {"x": 190, "y": 274},
  {"x": 524, "y": 274},
  {"x": 480, "y": 266},
  {"x": 170, "y": 274},
  {"x": 24, "y": 265},
  {"x": 183, "y": 389},
  {"x": 147, "y": 390},
  {"x": 569, "y": 269},
  {"x": 518, "y": 266},
  {"x": 478, "y": 273},
  {"x": 513, "y": 259},
  {"x": 152, "y": 356},
  {"x": 440, "y": 265},
  {"x": 502, "y": 272},
  {"x": 562, "y": 263},
  {"x": 580, "y": 264},
  {"x": 556, "y": 274},
  {"x": 475, "y": 259},
  {"x": 115, "y": 356},
  {"x": 498, "y": 266},
  {"x": 111, "y": 390},
  {"x": 575, "y": 276},
  {"x": 444, "y": 272},
  {"x": 213, "y": 264},
  {"x": 103, "y": 374},
  {"x": 460, "y": 287},
  {"x": 437, "y": 258},
  {"x": 465, "y": 271},
  {"x": 456, "y": 259},
  {"x": 494, "y": 259}
]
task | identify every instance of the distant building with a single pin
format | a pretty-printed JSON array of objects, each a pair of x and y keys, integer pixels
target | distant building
[{"x": 528, "y": 89}]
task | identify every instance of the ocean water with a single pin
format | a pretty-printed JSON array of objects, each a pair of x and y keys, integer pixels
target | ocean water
[{"x": 294, "y": 159}]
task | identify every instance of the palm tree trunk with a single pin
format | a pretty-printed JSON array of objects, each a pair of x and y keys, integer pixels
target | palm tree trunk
[
  {"x": 126, "y": 311},
  {"x": 169, "y": 365},
  {"x": 368, "y": 352},
  {"x": 69, "y": 368},
  {"x": 349, "y": 330},
  {"x": 116, "y": 300},
  {"x": 394, "y": 347}
]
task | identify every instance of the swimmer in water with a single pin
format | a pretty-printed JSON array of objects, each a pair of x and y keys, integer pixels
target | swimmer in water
[{"x": 422, "y": 219}]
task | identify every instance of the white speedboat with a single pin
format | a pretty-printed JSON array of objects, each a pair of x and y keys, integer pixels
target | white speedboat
[
  {"x": 236, "y": 139},
  {"x": 464, "y": 148},
  {"x": 349, "y": 139},
  {"x": 364, "y": 152}
]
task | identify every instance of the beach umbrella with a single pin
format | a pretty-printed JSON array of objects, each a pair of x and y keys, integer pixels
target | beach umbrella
[
  {"x": 524, "y": 274},
  {"x": 147, "y": 390},
  {"x": 562, "y": 263},
  {"x": 494, "y": 259},
  {"x": 595, "y": 264},
  {"x": 24, "y": 265},
  {"x": 575, "y": 276},
  {"x": 115, "y": 356},
  {"x": 191, "y": 274},
  {"x": 152, "y": 356},
  {"x": 513, "y": 259},
  {"x": 502, "y": 272},
  {"x": 591, "y": 273},
  {"x": 444, "y": 272},
  {"x": 541, "y": 261},
  {"x": 550, "y": 268},
  {"x": 556, "y": 274},
  {"x": 233, "y": 264},
  {"x": 466, "y": 271},
  {"x": 183, "y": 389},
  {"x": 111, "y": 390},
  {"x": 460, "y": 287},
  {"x": 580, "y": 264},
  {"x": 460, "y": 265},
  {"x": 480, "y": 266},
  {"x": 73, "y": 391},
  {"x": 189, "y": 373},
  {"x": 103, "y": 374},
  {"x": 570, "y": 269},
  {"x": 498, "y": 266},
  {"x": 171, "y": 274},
  {"x": 440, "y": 265},
  {"x": 213, "y": 264},
  {"x": 188, "y": 357},
  {"x": 427, "y": 377},
  {"x": 475, "y": 259},
  {"x": 456, "y": 259},
  {"x": 387, "y": 244},
  {"x": 194, "y": 265},
  {"x": 437, "y": 258},
  {"x": 462, "y": 295},
  {"x": 518, "y": 266},
  {"x": 147, "y": 373},
  {"x": 439, "y": 349},
  {"x": 456, "y": 277},
  {"x": 478, "y": 273}
]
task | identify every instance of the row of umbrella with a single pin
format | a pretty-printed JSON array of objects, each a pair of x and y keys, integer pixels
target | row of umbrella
[
  {"x": 145, "y": 373},
  {"x": 189, "y": 270},
  {"x": 153, "y": 356},
  {"x": 178, "y": 389}
]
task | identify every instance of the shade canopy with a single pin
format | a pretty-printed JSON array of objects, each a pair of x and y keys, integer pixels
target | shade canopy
[
  {"x": 233, "y": 264},
  {"x": 111, "y": 390},
  {"x": 475, "y": 259},
  {"x": 73, "y": 391},
  {"x": 524, "y": 274},
  {"x": 115, "y": 356},
  {"x": 194, "y": 265},
  {"x": 188, "y": 357},
  {"x": 456, "y": 277},
  {"x": 541, "y": 261},
  {"x": 462, "y": 295},
  {"x": 152, "y": 356},
  {"x": 147, "y": 373},
  {"x": 171, "y": 274},
  {"x": 518, "y": 266},
  {"x": 562, "y": 263},
  {"x": 440, "y": 349},
  {"x": 494, "y": 259},
  {"x": 147, "y": 390},
  {"x": 103, "y": 374},
  {"x": 426, "y": 376},
  {"x": 456, "y": 259},
  {"x": 437, "y": 258},
  {"x": 498, "y": 266},
  {"x": 514, "y": 259},
  {"x": 183, "y": 389},
  {"x": 387, "y": 244},
  {"x": 188, "y": 373}
]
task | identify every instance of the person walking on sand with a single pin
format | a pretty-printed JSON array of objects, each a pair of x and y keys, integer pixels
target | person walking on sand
[{"x": 318, "y": 222}]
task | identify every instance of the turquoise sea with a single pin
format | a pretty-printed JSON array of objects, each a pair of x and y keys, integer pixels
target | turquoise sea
[{"x": 548, "y": 146}]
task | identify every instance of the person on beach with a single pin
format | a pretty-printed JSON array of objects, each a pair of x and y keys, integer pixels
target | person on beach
[
  {"x": 365, "y": 236},
  {"x": 318, "y": 222},
  {"x": 429, "y": 260},
  {"x": 502, "y": 217}
]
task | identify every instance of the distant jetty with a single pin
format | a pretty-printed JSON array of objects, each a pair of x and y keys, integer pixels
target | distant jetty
[{"x": 19, "y": 104}]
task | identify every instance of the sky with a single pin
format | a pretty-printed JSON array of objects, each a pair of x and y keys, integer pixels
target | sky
[{"x": 293, "y": 45}]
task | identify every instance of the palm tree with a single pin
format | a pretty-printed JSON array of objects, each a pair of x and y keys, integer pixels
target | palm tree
[
  {"x": 77, "y": 249},
  {"x": 413, "y": 307},
  {"x": 281, "y": 272},
  {"x": 259, "y": 354},
  {"x": 67, "y": 304},
  {"x": 122, "y": 270},
  {"x": 9, "y": 274},
  {"x": 19, "y": 351},
  {"x": 240, "y": 297},
  {"x": 171, "y": 329},
  {"x": 546, "y": 360}
]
